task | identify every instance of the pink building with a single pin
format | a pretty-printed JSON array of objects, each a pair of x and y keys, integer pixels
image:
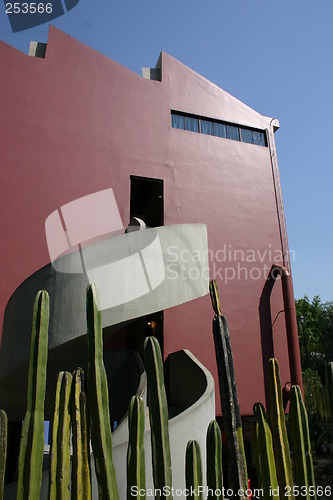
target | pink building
[{"x": 175, "y": 149}]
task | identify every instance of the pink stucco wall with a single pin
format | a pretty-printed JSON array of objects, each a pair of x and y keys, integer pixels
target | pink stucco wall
[{"x": 77, "y": 122}]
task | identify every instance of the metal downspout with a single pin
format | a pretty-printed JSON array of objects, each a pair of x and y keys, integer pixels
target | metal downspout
[{"x": 291, "y": 325}]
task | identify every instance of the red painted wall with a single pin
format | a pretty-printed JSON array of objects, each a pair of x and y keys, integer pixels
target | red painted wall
[{"x": 76, "y": 122}]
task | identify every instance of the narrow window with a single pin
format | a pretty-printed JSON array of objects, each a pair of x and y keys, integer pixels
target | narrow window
[
  {"x": 178, "y": 121},
  {"x": 232, "y": 133},
  {"x": 191, "y": 124},
  {"x": 259, "y": 138},
  {"x": 220, "y": 130},
  {"x": 206, "y": 127},
  {"x": 246, "y": 135}
]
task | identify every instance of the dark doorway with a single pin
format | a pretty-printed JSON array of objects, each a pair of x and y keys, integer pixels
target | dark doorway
[
  {"x": 147, "y": 204},
  {"x": 147, "y": 200}
]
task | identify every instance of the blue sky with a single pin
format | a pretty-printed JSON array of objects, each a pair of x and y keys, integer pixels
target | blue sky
[{"x": 274, "y": 56}]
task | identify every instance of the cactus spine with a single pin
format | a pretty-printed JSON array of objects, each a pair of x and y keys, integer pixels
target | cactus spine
[
  {"x": 32, "y": 437},
  {"x": 3, "y": 449},
  {"x": 214, "y": 462},
  {"x": 229, "y": 400},
  {"x": 265, "y": 455},
  {"x": 158, "y": 415},
  {"x": 136, "y": 453},
  {"x": 279, "y": 432},
  {"x": 59, "y": 483},
  {"x": 300, "y": 441},
  {"x": 99, "y": 401},
  {"x": 81, "y": 482},
  {"x": 193, "y": 471}
]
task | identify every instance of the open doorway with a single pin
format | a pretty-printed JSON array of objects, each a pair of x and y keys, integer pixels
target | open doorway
[{"x": 147, "y": 200}]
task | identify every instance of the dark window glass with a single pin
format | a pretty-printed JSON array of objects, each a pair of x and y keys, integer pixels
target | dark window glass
[
  {"x": 206, "y": 127},
  {"x": 178, "y": 121},
  {"x": 191, "y": 124},
  {"x": 259, "y": 138},
  {"x": 232, "y": 133},
  {"x": 247, "y": 135},
  {"x": 220, "y": 130}
]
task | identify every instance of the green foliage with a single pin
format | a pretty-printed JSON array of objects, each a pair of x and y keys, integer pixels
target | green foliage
[
  {"x": 136, "y": 473},
  {"x": 317, "y": 398},
  {"x": 193, "y": 471},
  {"x": 32, "y": 438},
  {"x": 158, "y": 415},
  {"x": 3, "y": 449},
  {"x": 318, "y": 329},
  {"x": 330, "y": 385}
]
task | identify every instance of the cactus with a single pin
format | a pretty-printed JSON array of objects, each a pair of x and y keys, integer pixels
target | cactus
[
  {"x": 158, "y": 414},
  {"x": 99, "y": 401},
  {"x": 214, "y": 462},
  {"x": 32, "y": 437},
  {"x": 300, "y": 441},
  {"x": 59, "y": 478},
  {"x": 136, "y": 452},
  {"x": 264, "y": 455},
  {"x": 229, "y": 400},
  {"x": 81, "y": 482},
  {"x": 279, "y": 433},
  {"x": 3, "y": 449},
  {"x": 193, "y": 471}
]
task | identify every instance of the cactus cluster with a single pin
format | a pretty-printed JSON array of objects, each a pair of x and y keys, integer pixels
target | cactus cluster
[
  {"x": 158, "y": 415},
  {"x": 60, "y": 453},
  {"x": 99, "y": 401},
  {"x": 32, "y": 437},
  {"x": 77, "y": 414},
  {"x": 300, "y": 442},
  {"x": 274, "y": 464},
  {"x": 81, "y": 478},
  {"x": 264, "y": 454},
  {"x": 232, "y": 424}
]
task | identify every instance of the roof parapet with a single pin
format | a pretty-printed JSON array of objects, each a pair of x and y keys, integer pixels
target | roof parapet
[{"x": 37, "y": 49}]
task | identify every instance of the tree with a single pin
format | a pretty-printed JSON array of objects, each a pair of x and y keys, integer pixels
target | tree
[{"x": 318, "y": 330}]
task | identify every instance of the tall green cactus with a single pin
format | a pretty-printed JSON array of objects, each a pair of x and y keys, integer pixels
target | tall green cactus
[
  {"x": 193, "y": 471},
  {"x": 60, "y": 453},
  {"x": 158, "y": 414},
  {"x": 300, "y": 442},
  {"x": 99, "y": 401},
  {"x": 264, "y": 453},
  {"x": 229, "y": 400},
  {"x": 279, "y": 433},
  {"x": 32, "y": 438},
  {"x": 3, "y": 449},
  {"x": 136, "y": 475},
  {"x": 81, "y": 481},
  {"x": 214, "y": 462}
]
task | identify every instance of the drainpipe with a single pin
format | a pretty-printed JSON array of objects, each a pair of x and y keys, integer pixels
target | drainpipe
[{"x": 291, "y": 326}]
